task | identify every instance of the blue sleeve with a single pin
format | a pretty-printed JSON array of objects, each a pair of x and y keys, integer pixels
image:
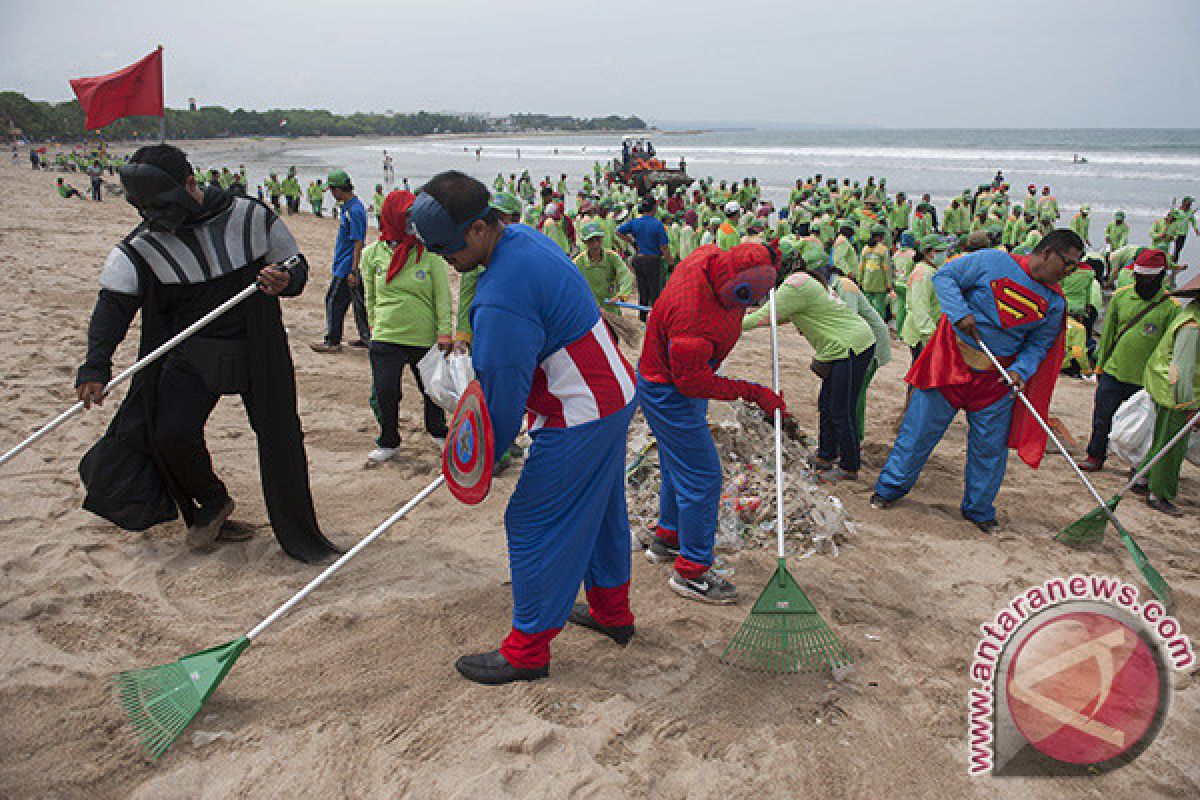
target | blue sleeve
[
  {"x": 1037, "y": 343},
  {"x": 357, "y": 229},
  {"x": 505, "y": 357},
  {"x": 951, "y": 280},
  {"x": 626, "y": 227}
]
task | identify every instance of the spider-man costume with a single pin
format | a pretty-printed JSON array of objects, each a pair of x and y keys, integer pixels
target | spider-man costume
[{"x": 694, "y": 324}]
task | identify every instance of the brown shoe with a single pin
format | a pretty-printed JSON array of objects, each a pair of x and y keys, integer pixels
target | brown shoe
[
  {"x": 1090, "y": 464},
  {"x": 323, "y": 347},
  {"x": 1163, "y": 505}
]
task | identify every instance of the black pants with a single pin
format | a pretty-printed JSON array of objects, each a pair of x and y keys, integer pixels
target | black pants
[
  {"x": 275, "y": 202},
  {"x": 648, "y": 270},
  {"x": 183, "y": 406},
  {"x": 1110, "y": 394},
  {"x": 837, "y": 404},
  {"x": 340, "y": 296},
  {"x": 387, "y": 370},
  {"x": 96, "y": 184},
  {"x": 1179, "y": 242}
]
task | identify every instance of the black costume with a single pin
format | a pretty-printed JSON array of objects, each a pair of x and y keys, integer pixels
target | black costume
[{"x": 152, "y": 463}]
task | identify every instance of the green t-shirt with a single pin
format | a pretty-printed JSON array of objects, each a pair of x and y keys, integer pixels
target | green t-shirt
[
  {"x": 1126, "y": 359},
  {"x": 606, "y": 278},
  {"x": 414, "y": 308},
  {"x": 923, "y": 310},
  {"x": 1117, "y": 235},
  {"x": 1078, "y": 289},
  {"x": 831, "y": 327},
  {"x": 727, "y": 237},
  {"x": 875, "y": 269}
]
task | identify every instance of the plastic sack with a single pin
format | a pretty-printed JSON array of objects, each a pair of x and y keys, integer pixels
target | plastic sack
[
  {"x": 1133, "y": 429},
  {"x": 445, "y": 377},
  {"x": 1193, "y": 453}
]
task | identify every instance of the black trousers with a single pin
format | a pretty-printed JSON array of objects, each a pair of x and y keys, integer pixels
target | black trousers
[
  {"x": 96, "y": 184},
  {"x": 1179, "y": 242},
  {"x": 837, "y": 405},
  {"x": 387, "y": 370},
  {"x": 1110, "y": 394},
  {"x": 648, "y": 271},
  {"x": 183, "y": 406},
  {"x": 341, "y": 296}
]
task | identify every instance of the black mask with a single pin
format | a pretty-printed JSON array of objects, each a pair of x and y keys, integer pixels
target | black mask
[
  {"x": 163, "y": 202},
  {"x": 1147, "y": 286}
]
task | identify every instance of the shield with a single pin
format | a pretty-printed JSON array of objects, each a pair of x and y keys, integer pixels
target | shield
[{"x": 470, "y": 447}]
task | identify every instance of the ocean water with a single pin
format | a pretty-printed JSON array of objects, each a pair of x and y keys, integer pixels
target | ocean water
[{"x": 1139, "y": 171}]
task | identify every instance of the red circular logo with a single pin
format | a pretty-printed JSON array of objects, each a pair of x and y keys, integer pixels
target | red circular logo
[{"x": 1083, "y": 688}]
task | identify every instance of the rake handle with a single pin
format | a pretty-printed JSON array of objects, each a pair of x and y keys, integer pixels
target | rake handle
[
  {"x": 778, "y": 429},
  {"x": 141, "y": 364},
  {"x": 351, "y": 553}
]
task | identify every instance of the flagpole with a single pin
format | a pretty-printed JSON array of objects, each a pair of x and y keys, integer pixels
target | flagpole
[{"x": 162, "y": 121}]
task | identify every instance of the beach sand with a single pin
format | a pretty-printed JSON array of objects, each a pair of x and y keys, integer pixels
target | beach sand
[{"x": 355, "y": 695}]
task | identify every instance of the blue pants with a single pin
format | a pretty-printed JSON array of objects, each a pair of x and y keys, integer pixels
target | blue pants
[
  {"x": 338, "y": 298},
  {"x": 566, "y": 521},
  {"x": 690, "y": 490},
  {"x": 928, "y": 416}
]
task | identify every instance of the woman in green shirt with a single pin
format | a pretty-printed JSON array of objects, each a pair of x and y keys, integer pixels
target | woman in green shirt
[
  {"x": 845, "y": 348},
  {"x": 408, "y": 305}
]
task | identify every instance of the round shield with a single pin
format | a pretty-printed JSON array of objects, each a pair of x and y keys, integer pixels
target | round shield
[{"x": 467, "y": 459}]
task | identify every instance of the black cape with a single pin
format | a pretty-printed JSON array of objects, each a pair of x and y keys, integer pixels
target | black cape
[{"x": 127, "y": 481}]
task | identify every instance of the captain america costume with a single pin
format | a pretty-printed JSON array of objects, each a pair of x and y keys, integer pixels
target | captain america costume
[
  {"x": 541, "y": 347},
  {"x": 1022, "y": 322}
]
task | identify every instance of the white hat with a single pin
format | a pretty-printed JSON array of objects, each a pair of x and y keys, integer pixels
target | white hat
[
  {"x": 732, "y": 207},
  {"x": 551, "y": 209}
]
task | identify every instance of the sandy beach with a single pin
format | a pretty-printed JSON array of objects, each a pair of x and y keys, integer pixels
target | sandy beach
[{"x": 355, "y": 694}]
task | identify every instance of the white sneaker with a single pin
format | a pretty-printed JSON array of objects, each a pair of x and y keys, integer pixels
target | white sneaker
[{"x": 382, "y": 454}]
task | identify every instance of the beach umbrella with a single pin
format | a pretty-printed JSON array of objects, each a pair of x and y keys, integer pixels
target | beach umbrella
[
  {"x": 1158, "y": 585},
  {"x": 1089, "y": 529},
  {"x": 784, "y": 632}
]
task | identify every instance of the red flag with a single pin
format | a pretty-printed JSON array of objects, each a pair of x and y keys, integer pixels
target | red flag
[{"x": 136, "y": 91}]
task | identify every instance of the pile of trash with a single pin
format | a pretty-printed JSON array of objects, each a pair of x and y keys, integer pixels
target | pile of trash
[{"x": 814, "y": 520}]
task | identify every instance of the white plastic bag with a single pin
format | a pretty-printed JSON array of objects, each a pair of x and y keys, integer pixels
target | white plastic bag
[
  {"x": 445, "y": 377},
  {"x": 1133, "y": 429}
]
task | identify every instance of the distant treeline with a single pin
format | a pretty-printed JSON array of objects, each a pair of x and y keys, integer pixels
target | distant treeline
[{"x": 41, "y": 121}]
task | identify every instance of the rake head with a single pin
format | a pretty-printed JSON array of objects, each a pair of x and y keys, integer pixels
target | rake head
[
  {"x": 1089, "y": 529},
  {"x": 784, "y": 633},
  {"x": 161, "y": 701}
]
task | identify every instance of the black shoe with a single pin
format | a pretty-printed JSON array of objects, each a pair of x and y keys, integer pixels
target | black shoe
[
  {"x": 1140, "y": 489},
  {"x": 493, "y": 669},
  {"x": 661, "y": 552},
  {"x": 621, "y": 634},
  {"x": 359, "y": 343},
  {"x": 879, "y": 502},
  {"x": 986, "y": 526},
  {"x": 1163, "y": 505},
  {"x": 708, "y": 588}
]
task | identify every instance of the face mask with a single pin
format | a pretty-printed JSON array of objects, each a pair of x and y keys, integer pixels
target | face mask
[
  {"x": 937, "y": 259},
  {"x": 1147, "y": 286}
]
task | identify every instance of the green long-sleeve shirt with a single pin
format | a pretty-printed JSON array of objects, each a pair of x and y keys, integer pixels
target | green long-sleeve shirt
[
  {"x": 414, "y": 308},
  {"x": 875, "y": 269},
  {"x": 1126, "y": 359},
  {"x": 607, "y": 277},
  {"x": 1116, "y": 234},
  {"x": 831, "y": 327},
  {"x": 1082, "y": 225},
  {"x": 924, "y": 310},
  {"x": 467, "y": 283},
  {"x": 1171, "y": 374},
  {"x": 849, "y": 293}
]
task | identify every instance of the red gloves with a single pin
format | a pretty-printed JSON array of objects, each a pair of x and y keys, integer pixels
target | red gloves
[{"x": 763, "y": 397}]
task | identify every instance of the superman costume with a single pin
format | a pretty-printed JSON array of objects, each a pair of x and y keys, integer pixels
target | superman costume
[
  {"x": 541, "y": 348},
  {"x": 1022, "y": 321},
  {"x": 692, "y": 327}
]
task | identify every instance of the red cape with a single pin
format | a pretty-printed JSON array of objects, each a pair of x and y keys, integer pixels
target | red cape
[{"x": 941, "y": 364}]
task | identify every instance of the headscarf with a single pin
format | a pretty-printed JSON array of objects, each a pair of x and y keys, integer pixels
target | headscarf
[{"x": 393, "y": 227}]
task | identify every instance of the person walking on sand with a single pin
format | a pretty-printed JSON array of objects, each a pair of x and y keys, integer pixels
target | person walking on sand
[{"x": 345, "y": 288}]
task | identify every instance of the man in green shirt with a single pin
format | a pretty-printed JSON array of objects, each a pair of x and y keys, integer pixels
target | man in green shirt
[
  {"x": 1185, "y": 216},
  {"x": 274, "y": 190},
  {"x": 606, "y": 272},
  {"x": 291, "y": 190},
  {"x": 1081, "y": 223},
  {"x": 1116, "y": 233},
  {"x": 316, "y": 196},
  {"x": 899, "y": 215},
  {"x": 924, "y": 310},
  {"x": 1137, "y": 318},
  {"x": 1172, "y": 377},
  {"x": 875, "y": 272}
]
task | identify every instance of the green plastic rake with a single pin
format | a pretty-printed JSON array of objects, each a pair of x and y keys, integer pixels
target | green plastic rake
[
  {"x": 784, "y": 633},
  {"x": 160, "y": 701}
]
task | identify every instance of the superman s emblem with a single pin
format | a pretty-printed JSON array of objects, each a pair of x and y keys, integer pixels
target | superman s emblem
[{"x": 1017, "y": 304}]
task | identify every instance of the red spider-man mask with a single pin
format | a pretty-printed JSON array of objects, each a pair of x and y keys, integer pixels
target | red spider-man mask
[{"x": 743, "y": 276}]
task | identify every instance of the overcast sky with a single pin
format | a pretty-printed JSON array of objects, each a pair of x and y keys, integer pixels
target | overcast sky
[{"x": 896, "y": 63}]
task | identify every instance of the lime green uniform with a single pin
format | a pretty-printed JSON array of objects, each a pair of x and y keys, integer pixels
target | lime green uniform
[
  {"x": 1076, "y": 344},
  {"x": 1173, "y": 380},
  {"x": 845, "y": 258},
  {"x": 834, "y": 331},
  {"x": 1116, "y": 234},
  {"x": 607, "y": 278},
  {"x": 1078, "y": 288},
  {"x": 875, "y": 276},
  {"x": 414, "y": 308},
  {"x": 1126, "y": 359},
  {"x": 849, "y": 293},
  {"x": 924, "y": 310},
  {"x": 727, "y": 237},
  {"x": 1082, "y": 224},
  {"x": 467, "y": 283}
]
